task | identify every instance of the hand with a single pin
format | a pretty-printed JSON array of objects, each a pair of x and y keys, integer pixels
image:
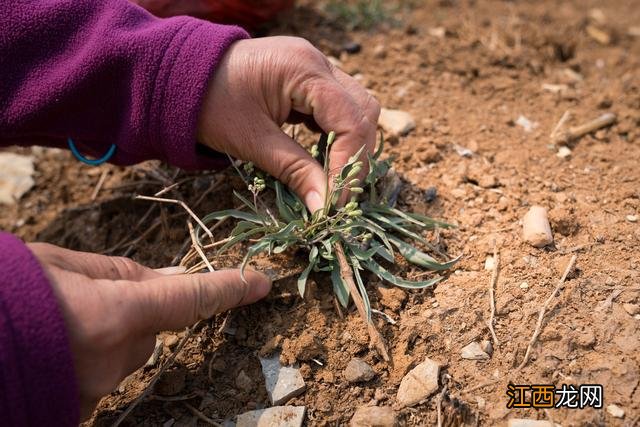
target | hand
[
  {"x": 113, "y": 308},
  {"x": 261, "y": 84}
]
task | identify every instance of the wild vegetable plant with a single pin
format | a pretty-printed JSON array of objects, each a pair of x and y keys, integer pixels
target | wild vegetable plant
[{"x": 360, "y": 235}]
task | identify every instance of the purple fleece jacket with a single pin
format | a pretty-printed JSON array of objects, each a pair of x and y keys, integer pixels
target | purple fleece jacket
[{"x": 101, "y": 72}]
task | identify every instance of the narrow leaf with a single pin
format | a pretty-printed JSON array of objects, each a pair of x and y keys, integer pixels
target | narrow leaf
[
  {"x": 418, "y": 257},
  {"x": 302, "y": 280},
  {"x": 380, "y": 271},
  {"x": 339, "y": 287}
]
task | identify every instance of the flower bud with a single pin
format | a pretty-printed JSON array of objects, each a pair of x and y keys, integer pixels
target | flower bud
[
  {"x": 358, "y": 190},
  {"x": 357, "y": 212}
]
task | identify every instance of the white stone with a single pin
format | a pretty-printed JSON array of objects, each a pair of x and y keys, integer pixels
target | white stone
[
  {"x": 282, "y": 382},
  {"x": 535, "y": 227},
  {"x": 473, "y": 351},
  {"x": 525, "y": 422},
  {"x": 277, "y": 416},
  {"x": 632, "y": 218},
  {"x": 526, "y": 124},
  {"x": 615, "y": 411},
  {"x": 563, "y": 152},
  {"x": 16, "y": 177},
  {"x": 489, "y": 263},
  {"x": 396, "y": 122},
  {"x": 420, "y": 383}
]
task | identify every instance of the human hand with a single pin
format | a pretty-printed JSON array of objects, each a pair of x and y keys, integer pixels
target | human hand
[
  {"x": 113, "y": 307},
  {"x": 261, "y": 84}
]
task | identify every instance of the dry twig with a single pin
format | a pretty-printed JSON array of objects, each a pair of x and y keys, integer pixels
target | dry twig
[
  {"x": 201, "y": 416},
  {"x": 99, "y": 185},
  {"x": 198, "y": 248},
  {"x": 543, "y": 310},
  {"x": 576, "y": 132},
  {"x": 347, "y": 275},
  {"x": 439, "y": 404},
  {"x": 184, "y": 206},
  {"x": 492, "y": 300}
]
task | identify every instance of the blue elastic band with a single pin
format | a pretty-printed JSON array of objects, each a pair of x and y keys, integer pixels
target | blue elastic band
[{"x": 95, "y": 162}]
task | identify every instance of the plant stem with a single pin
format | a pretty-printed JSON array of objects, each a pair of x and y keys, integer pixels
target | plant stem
[{"x": 347, "y": 275}]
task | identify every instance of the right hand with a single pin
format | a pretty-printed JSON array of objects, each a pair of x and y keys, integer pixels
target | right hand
[{"x": 261, "y": 84}]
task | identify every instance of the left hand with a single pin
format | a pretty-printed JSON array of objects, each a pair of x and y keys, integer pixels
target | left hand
[{"x": 113, "y": 307}]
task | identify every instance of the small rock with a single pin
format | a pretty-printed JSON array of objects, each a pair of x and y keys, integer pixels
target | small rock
[
  {"x": 564, "y": 152},
  {"x": 632, "y": 309},
  {"x": 277, "y": 416},
  {"x": 396, "y": 122},
  {"x": 16, "y": 177},
  {"x": 430, "y": 155},
  {"x": 526, "y": 124},
  {"x": 487, "y": 347},
  {"x": 352, "y": 47},
  {"x": 374, "y": 416},
  {"x": 586, "y": 339},
  {"x": 420, "y": 383},
  {"x": 157, "y": 351},
  {"x": 463, "y": 151},
  {"x": 379, "y": 51},
  {"x": 524, "y": 285},
  {"x": 535, "y": 228},
  {"x": 358, "y": 370},
  {"x": 632, "y": 218},
  {"x": 243, "y": 382},
  {"x": 170, "y": 340},
  {"x": 481, "y": 402},
  {"x": 430, "y": 194},
  {"x": 615, "y": 411},
  {"x": 489, "y": 263},
  {"x": 392, "y": 297},
  {"x": 439, "y": 32},
  {"x": 525, "y": 422},
  {"x": 473, "y": 351},
  {"x": 282, "y": 382}
]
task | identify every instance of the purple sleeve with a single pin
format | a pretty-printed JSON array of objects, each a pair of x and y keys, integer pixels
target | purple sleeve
[
  {"x": 37, "y": 378},
  {"x": 107, "y": 72}
]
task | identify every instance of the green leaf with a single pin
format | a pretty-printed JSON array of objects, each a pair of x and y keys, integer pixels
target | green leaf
[
  {"x": 283, "y": 209},
  {"x": 254, "y": 250},
  {"x": 241, "y": 227},
  {"x": 232, "y": 213},
  {"x": 418, "y": 257},
  {"x": 364, "y": 255},
  {"x": 245, "y": 201},
  {"x": 302, "y": 280},
  {"x": 240, "y": 238},
  {"x": 386, "y": 221},
  {"x": 363, "y": 292},
  {"x": 380, "y": 271},
  {"x": 339, "y": 287},
  {"x": 430, "y": 222},
  {"x": 384, "y": 253},
  {"x": 380, "y": 148}
]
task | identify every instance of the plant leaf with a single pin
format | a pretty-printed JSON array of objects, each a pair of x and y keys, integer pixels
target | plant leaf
[
  {"x": 302, "y": 280},
  {"x": 417, "y": 257},
  {"x": 363, "y": 292},
  {"x": 240, "y": 238},
  {"x": 382, "y": 273},
  {"x": 232, "y": 213},
  {"x": 283, "y": 209},
  {"x": 339, "y": 287},
  {"x": 386, "y": 221}
]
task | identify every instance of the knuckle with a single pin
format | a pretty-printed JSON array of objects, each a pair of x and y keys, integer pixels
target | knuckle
[
  {"x": 294, "y": 173},
  {"x": 125, "y": 267}
]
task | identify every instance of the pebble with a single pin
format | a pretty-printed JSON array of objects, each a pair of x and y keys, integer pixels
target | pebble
[
  {"x": 615, "y": 411},
  {"x": 526, "y": 124},
  {"x": 535, "y": 227},
  {"x": 526, "y": 422},
  {"x": 420, "y": 383},
  {"x": 473, "y": 351},
  {"x": 379, "y": 51},
  {"x": 632, "y": 218},
  {"x": 277, "y": 416},
  {"x": 524, "y": 285},
  {"x": 489, "y": 263},
  {"x": 16, "y": 177},
  {"x": 564, "y": 152},
  {"x": 358, "y": 370},
  {"x": 396, "y": 122},
  {"x": 352, "y": 47},
  {"x": 282, "y": 382},
  {"x": 374, "y": 416},
  {"x": 243, "y": 382},
  {"x": 171, "y": 340},
  {"x": 430, "y": 194},
  {"x": 632, "y": 309},
  {"x": 487, "y": 347}
]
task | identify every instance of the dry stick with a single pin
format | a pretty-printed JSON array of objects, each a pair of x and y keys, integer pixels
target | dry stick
[
  {"x": 202, "y": 416},
  {"x": 576, "y": 132},
  {"x": 560, "y": 125},
  {"x": 492, "y": 300},
  {"x": 347, "y": 275},
  {"x": 101, "y": 181},
  {"x": 536, "y": 332},
  {"x": 184, "y": 206},
  {"x": 439, "y": 404},
  {"x": 197, "y": 247},
  {"x": 167, "y": 189},
  {"x": 154, "y": 380}
]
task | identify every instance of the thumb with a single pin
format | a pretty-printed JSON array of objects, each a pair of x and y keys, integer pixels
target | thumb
[{"x": 174, "y": 302}]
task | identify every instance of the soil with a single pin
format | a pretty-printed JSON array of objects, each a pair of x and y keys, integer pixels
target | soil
[{"x": 466, "y": 71}]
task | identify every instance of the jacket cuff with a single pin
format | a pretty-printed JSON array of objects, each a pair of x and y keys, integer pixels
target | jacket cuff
[
  {"x": 180, "y": 88},
  {"x": 37, "y": 374}
]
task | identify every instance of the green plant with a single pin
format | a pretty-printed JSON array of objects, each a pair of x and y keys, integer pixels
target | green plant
[
  {"x": 359, "y": 14},
  {"x": 336, "y": 238}
]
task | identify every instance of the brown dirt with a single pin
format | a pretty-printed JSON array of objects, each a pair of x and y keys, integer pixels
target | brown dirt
[{"x": 466, "y": 88}]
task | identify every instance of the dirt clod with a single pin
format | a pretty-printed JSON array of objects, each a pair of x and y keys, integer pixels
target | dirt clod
[
  {"x": 374, "y": 416},
  {"x": 358, "y": 370}
]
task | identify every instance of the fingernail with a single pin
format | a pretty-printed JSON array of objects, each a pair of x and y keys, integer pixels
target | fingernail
[
  {"x": 314, "y": 201},
  {"x": 170, "y": 271}
]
